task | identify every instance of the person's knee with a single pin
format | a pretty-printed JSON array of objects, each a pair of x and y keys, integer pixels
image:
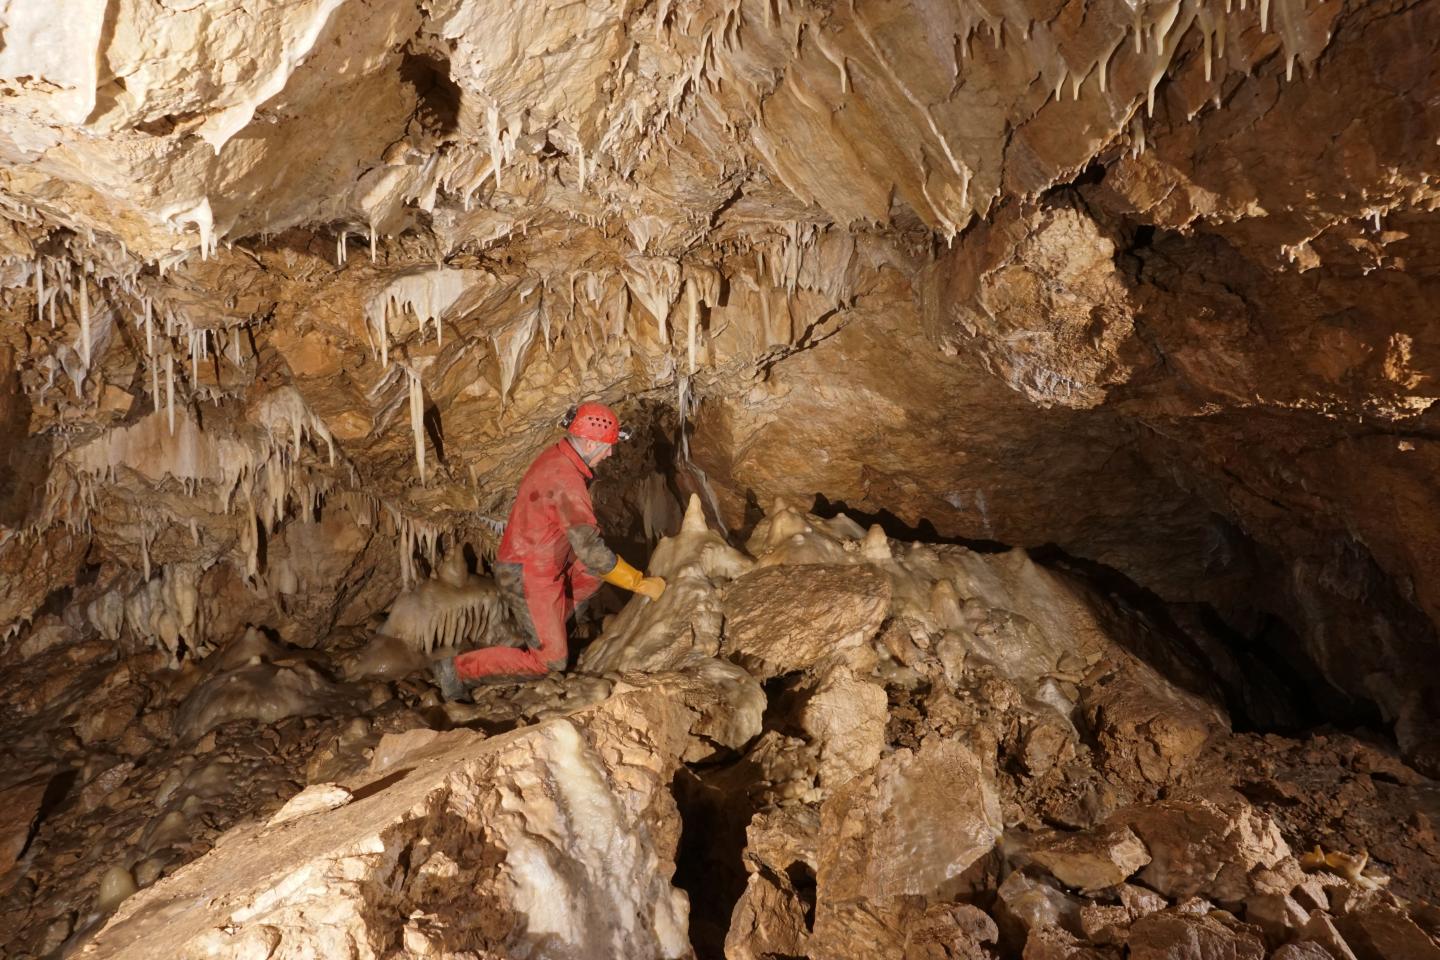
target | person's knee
[{"x": 555, "y": 666}]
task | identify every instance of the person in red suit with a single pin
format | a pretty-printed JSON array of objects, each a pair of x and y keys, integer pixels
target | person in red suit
[{"x": 552, "y": 557}]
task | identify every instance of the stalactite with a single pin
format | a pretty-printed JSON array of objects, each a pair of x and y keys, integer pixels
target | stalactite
[
  {"x": 692, "y": 300},
  {"x": 417, "y": 422},
  {"x": 492, "y": 124},
  {"x": 170, "y": 391},
  {"x": 39, "y": 289},
  {"x": 84, "y": 294}
]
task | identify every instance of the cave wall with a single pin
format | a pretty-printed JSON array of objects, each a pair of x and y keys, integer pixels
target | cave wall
[{"x": 1146, "y": 284}]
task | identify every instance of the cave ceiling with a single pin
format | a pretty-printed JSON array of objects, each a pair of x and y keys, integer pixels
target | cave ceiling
[{"x": 1149, "y": 282}]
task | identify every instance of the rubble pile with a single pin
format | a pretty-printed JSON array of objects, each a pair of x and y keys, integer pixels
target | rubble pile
[
  {"x": 1034, "y": 413},
  {"x": 909, "y": 750}
]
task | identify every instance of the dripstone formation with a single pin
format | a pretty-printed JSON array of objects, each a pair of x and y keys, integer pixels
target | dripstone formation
[{"x": 1033, "y": 406}]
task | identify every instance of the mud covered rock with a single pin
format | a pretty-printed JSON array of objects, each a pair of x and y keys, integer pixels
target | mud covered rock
[
  {"x": 910, "y": 828},
  {"x": 19, "y": 806},
  {"x": 258, "y": 691},
  {"x": 1174, "y": 936},
  {"x": 786, "y": 618},
  {"x": 1302, "y": 950},
  {"x": 1383, "y": 932},
  {"x": 1149, "y": 729},
  {"x": 1202, "y": 846},
  {"x": 1093, "y": 860}
]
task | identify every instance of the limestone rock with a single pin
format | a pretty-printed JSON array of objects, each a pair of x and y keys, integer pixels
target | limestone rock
[
  {"x": 1101, "y": 923},
  {"x": 1059, "y": 945},
  {"x": 316, "y": 798},
  {"x": 559, "y": 833},
  {"x": 769, "y": 920},
  {"x": 847, "y": 717},
  {"x": 1168, "y": 936},
  {"x": 1204, "y": 847},
  {"x": 1094, "y": 860},
  {"x": 1139, "y": 901},
  {"x": 782, "y": 619},
  {"x": 725, "y": 705},
  {"x": 1027, "y": 905},
  {"x": 1320, "y": 928},
  {"x": 1150, "y": 730},
  {"x": 949, "y": 931},
  {"x": 1277, "y": 915},
  {"x": 909, "y": 827},
  {"x": 1302, "y": 950},
  {"x": 1386, "y": 932},
  {"x": 20, "y": 805}
]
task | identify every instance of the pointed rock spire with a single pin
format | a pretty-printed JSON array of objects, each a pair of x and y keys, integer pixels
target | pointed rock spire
[
  {"x": 694, "y": 517},
  {"x": 876, "y": 546}
]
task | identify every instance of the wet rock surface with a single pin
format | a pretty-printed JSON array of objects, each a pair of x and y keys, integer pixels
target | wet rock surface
[
  {"x": 886, "y": 795},
  {"x": 1112, "y": 315}
]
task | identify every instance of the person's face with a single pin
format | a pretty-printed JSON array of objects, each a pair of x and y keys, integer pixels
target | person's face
[{"x": 602, "y": 452}]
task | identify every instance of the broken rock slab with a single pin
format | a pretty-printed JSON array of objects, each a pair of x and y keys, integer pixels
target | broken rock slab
[
  {"x": 913, "y": 827},
  {"x": 787, "y": 618},
  {"x": 1302, "y": 950},
  {"x": 554, "y": 840},
  {"x": 1149, "y": 730},
  {"x": 1093, "y": 860},
  {"x": 846, "y": 717},
  {"x": 726, "y": 704},
  {"x": 316, "y": 798},
  {"x": 1204, "y": 846},
  {"x": 19, "y": 807},
  {"x": 768, "y": 919},
  {"x": 1173, "y": 936},
  {"x": 1383, "y": 932}
]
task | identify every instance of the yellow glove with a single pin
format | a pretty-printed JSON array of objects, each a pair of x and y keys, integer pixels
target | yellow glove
[
  {"x": 651, "y": 587},
  {"x": 628, "y": 578}
]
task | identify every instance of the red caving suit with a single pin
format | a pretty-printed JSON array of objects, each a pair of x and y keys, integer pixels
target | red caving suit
[{"x": 550, "y": 561}]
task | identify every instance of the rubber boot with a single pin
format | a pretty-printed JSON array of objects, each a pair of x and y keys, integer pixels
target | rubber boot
[{"x": 451, "y": 686}]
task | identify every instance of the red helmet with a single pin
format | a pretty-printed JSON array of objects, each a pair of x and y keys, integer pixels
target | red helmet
[{"x": 595, "y": 421}]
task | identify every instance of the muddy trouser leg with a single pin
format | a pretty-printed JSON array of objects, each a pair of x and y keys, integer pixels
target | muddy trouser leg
[
  {"x": 540, "y": 611},
  {"x": 510, "y": 578},
  {"x": 580, "y": 588}
]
